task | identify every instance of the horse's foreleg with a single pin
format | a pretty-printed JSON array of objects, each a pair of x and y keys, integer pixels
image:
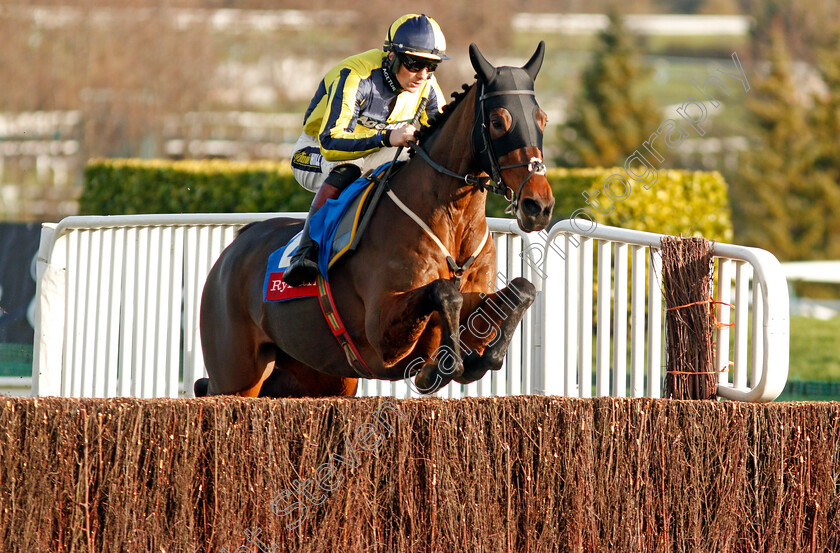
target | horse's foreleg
[
  {"x": 403, "y": 320},
  {"x": 493, "y": 324}
]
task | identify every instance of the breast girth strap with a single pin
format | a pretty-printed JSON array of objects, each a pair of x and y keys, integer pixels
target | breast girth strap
[{"x": 456, "y": 270}]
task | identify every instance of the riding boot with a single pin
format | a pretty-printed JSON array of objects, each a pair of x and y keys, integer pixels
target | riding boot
[{"x": 303, "y": 268}]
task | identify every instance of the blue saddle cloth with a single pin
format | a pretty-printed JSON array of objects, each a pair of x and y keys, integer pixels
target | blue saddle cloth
[
  {"x": 324, "y": 224},
  {"x": 325, "y": 228}
]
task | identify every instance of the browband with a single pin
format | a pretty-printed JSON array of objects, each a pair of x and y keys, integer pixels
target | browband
[{"x": 505, "y": 93}]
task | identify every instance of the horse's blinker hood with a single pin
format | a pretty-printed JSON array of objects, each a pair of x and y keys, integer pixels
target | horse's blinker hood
[{"x": 511, "y": 88}]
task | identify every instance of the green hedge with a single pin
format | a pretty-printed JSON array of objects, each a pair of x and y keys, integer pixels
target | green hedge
[
  {"x": 679, "y": 202},
  {"x": 688, "y": 203},
  {"x": 129, "y": 186}
]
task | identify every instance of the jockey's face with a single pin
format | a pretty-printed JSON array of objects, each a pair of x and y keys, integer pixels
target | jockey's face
[{"x": 411, "y": 81}]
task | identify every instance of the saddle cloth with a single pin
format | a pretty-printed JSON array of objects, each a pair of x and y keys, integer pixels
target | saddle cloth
[{"x": 335, "y": 225}]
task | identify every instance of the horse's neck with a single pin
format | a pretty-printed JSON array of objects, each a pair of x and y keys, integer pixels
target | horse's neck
[{"x": 441, "y": 200}]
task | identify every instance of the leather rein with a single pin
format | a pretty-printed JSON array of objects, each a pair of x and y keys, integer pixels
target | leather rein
[{"x": 493, "y": 183}]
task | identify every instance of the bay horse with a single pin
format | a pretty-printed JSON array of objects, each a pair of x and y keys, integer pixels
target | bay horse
[{"x": 409, "y": 310}]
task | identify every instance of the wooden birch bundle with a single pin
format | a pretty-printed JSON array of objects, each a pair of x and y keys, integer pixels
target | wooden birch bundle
[{"x": 690, "y": 321}]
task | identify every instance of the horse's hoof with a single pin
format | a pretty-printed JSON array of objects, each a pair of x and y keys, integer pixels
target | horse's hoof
[
  {"x": 474, "y": 369},
  {"x": 426, "y": 384},
  {"x": 304, "y": 271},
  {"x": 201, "y": 386},
  {"x": 429, "y": 380}
]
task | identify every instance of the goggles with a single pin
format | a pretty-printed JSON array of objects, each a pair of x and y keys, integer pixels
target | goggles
[{"x": 415, "y": 65}]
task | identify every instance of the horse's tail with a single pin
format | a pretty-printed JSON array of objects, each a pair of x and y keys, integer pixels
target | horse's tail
[{"x": 201, "y": 387}]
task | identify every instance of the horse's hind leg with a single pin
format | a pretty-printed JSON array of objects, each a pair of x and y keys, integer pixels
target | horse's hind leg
[
  {"x": 499, "y": 314},
  {"x": 201, "y": 387},
  {"x": 246, "y": 376},
  {"x": 291, "y": 378}
]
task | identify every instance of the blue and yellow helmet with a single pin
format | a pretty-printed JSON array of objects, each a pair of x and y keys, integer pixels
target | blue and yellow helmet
[{"x": 417, "y": 35}]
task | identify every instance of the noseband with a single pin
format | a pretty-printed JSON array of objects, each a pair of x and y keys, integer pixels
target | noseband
[{"x": 487, "y": 156}]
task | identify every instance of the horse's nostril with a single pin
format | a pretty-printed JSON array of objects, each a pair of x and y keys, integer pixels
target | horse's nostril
[
  {"x": 548, "y": 209},
  {"x": 530, "y": 207}
]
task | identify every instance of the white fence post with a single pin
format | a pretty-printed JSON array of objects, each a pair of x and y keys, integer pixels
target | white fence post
[
  {"x": 760, "y": 368},
  {"x": 48, "y": 347}
]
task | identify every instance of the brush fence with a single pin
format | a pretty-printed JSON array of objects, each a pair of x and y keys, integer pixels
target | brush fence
[
  {"x": 118, "y": 303},
  {"x": 375, "y": 475}
]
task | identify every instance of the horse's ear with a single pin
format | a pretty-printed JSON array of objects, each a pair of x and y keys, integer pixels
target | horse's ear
[
  {"x": 534, "y": 64},
  {"x": 482, "y": 67}
]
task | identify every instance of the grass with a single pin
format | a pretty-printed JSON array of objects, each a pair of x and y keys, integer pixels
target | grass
[
  {"x": 814, "y": 360},
  {"x": 814, "y": 349}
]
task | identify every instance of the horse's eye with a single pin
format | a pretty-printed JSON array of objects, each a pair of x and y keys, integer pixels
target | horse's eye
[
  {"x": 500, "y": 122},
  {"x": 542, "y": 118}
]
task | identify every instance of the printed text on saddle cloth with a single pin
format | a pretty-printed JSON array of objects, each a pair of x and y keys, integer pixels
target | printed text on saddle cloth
[{"x": 275, "y": 288}]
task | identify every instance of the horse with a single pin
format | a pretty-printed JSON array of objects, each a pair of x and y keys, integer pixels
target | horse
[{"x": 417, "y": 296}]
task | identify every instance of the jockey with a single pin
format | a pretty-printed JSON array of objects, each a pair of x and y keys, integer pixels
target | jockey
[{"x": 362, "y": 110}]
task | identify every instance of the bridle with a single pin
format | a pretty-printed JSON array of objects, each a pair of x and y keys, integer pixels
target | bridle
[
  {"x": 487, "y": 156},
  {"x": 488, "y": 159}
]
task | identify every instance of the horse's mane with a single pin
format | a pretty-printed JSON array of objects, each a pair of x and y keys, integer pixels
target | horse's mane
[{"x": 438, "y": 120}]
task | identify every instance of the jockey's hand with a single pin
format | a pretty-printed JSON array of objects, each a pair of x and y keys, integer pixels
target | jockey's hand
[{"x": 403, "y": 135}]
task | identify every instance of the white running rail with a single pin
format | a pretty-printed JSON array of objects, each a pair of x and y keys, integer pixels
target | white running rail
[
  {"x": 611, "y": 278},
  {"x": 119, "y": 297},
  {"x": 118, "y": 301}
]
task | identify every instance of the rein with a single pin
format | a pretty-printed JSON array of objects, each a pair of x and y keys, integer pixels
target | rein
[
  {"x": 535, "y": 167},
  {"x": 493, "y": 183}
]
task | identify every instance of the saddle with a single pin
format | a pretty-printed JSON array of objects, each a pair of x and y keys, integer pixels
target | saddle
[{"x": 336, "y": 227}]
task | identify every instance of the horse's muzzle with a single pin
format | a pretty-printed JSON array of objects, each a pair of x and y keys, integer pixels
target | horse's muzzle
[{"x": 534, "y": 214}]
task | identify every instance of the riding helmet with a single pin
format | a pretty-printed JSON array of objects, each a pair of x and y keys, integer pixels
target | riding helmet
[{"x": 417, "y": 36}]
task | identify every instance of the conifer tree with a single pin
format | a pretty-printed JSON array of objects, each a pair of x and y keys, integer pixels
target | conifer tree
[
  {"x": 825, "y": 122},
  {"x": 780, "y": 195},
  {"x": 612, "y": 116}
]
